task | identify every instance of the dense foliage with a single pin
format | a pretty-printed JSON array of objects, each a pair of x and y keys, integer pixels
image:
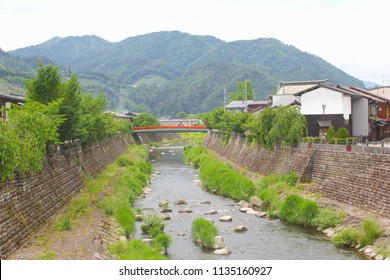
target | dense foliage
[
  {"x": 24, "y": 136},
  {"x": 181, "y": 72},
  {"x": 284, "y": 125},
  {"x": 145, "y": 119},
  {"x": 55, "y": 112}
]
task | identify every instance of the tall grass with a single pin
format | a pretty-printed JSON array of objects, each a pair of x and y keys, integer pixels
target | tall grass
[
  {"x": 135, "y": 250},
  {"x": 365, "y": 235},
  {"x": 371, "y": 231},
  {"x": 204, "y": 231},
  {"x": 298, "y": 210},
  {"x": 219, "y": 177}
]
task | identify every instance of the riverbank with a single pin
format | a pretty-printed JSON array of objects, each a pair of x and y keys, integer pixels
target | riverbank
[
  {"x": 98, "y": 218},
  {"x": 354, "y": 216}
]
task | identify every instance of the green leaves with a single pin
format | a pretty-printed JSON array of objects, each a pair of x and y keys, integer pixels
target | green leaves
[
  {"x": 145, "y": 119},
  {"x": 277, "y": 126},
  {"x": 24, "y": 137}
]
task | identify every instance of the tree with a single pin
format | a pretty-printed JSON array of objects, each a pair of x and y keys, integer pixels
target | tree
[
  {"x": 94, "y": 124},
  {"x": 243, "y": 88},
  {"x": 145, "y": 119},
  {"x": 71, "y": 108},
  {"x": 331, "y": 132},
  {"x": 46, "y": 87},
  {"x": 277, "y": 126},
  {"x": 181, "y": 115},
  {"x": 24, "y": 137},
  {"x": 342, "y": 132}
]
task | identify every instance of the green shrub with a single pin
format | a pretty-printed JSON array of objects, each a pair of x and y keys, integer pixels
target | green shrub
[
  {"x": 135, "y": 250},
  {"x": 371, "y": 231},
  {"x": 297, "y": 210},
  {"x": 152, "y": 224},
  {"x": 204, "y": 231},
  {"x": 162, "y": 240},
  {"x": 347, "y": 237},
  {"x": 331, "y": 132},
  {"x": 327, "y": 218},
  {"x": 125, "y": 217},
  {"x": 342, "y": 132},
  {"x": 269, "y": 196}
]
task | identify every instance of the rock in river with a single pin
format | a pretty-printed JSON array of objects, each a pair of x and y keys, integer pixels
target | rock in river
[
  {"x": 224, "y": 251},
  {"x": 211, "y": 212},
  {"x": 240, "y": 228},
  {"x": 226, "y": 219},
  {"x": 185, "y": 210}
]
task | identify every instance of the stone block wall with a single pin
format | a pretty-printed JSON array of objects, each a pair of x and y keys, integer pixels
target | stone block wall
[
  {"x": 358, "y": 179},
  {"x": 28, "y": 202}
]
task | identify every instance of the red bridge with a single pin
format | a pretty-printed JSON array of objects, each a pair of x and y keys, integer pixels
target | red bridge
[{"x": 170, "y": 129}]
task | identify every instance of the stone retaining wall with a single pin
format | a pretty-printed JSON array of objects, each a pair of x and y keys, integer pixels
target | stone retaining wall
[
  {"x": 28, "y": 202},
  {"x": 358, "y": 179}
]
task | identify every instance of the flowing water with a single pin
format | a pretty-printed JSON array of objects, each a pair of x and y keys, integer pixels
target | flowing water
[{"x": 265, "y": 239}]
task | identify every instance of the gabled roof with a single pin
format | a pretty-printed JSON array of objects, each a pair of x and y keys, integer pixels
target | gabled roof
[
  {"x": 331, "y": 87},
  {"x": 364, "y": 93},
  {"x": 238, "y": 104},
  {"x": 285, "y": 99},
  {"x": 297, "y": 86},
  {"x": 16, "y": 98}
]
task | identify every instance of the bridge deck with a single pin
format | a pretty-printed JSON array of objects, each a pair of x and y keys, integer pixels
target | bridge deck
[{"x": 170, "y": 129}]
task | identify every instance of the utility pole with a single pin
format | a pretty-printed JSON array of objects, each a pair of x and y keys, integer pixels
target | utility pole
[{"x": 225, "y": 96}]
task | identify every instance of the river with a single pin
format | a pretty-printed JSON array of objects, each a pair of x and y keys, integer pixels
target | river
[{"x": 265, "y": 239}]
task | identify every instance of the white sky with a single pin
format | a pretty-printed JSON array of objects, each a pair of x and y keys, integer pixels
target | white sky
[{"x": 351, "y": 34}]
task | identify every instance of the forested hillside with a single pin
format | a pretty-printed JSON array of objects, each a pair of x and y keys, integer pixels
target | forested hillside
[{"x": 169, "y": 72}]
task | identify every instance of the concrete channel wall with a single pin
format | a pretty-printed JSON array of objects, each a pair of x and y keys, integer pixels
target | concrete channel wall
[
  {"x": 28, "y": 202},
  {"x": 358, "y": 179}
]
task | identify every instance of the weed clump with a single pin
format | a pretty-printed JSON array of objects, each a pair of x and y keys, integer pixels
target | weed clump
[{"x": 204, "y": 231}]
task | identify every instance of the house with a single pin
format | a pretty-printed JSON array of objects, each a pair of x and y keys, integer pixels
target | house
[
  {"x": 324, "y": 105},
  {"x": 243, "y": 106},
  {"x": 378, "y": 111},
  {"x": 238, "y": 106},
  {"x": 297, "y": 86},
  {"x": 286, "y": 93},
  {"x": 6, "y": 100}
]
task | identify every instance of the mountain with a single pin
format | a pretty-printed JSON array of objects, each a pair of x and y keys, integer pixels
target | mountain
[{"x": 169, "y": 72}]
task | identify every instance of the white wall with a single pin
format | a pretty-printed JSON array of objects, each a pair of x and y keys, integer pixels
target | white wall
[
  {"x": 360, "y": 117},
  {"x": 336, "y": 102}
]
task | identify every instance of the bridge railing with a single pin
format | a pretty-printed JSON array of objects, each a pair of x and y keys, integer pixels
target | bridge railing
[{"x": 170, "y": 127}]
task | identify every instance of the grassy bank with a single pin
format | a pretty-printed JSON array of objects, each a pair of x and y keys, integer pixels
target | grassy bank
[
  {"x": 281, "y": 197},
  {"x": 218, "y": 177},
  {"x": 113, "y": 191}
]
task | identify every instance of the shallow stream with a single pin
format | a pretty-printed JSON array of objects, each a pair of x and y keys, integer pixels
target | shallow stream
[{"x": 265, "y": 239}]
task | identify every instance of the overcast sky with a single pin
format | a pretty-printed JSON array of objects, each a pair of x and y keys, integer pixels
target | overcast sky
[{"x": 351, "y": 34}]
